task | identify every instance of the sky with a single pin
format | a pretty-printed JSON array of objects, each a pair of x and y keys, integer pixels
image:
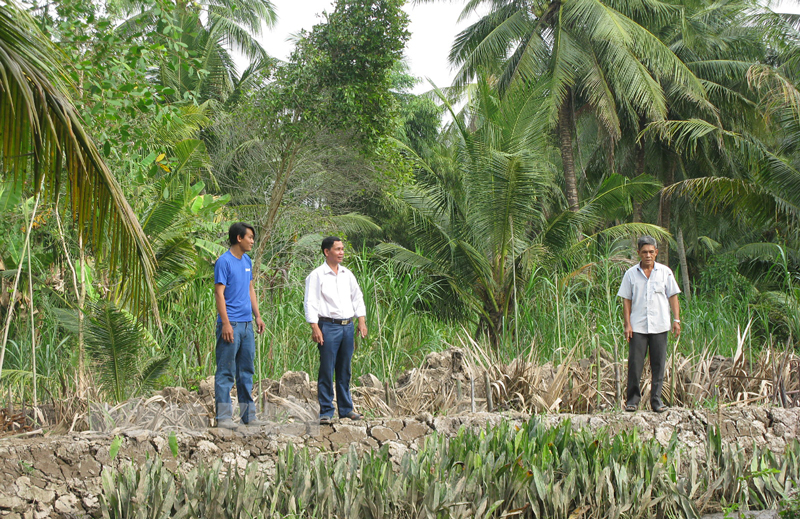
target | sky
[{"x": 433, "y": 28}]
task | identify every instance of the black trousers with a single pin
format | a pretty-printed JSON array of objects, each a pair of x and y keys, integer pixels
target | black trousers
[{"x": 640, "y": 345}]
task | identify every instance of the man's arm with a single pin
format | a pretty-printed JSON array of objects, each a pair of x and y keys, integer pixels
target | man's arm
[
  {"x": 311, "y": 307},
  {"x": 626, "y": 317},
  {"x": 675, "y": 306},
  {"x": 358, "y": 306},
  {"x": 256, "y": 313},
  {"x": 219, "y": 298}
]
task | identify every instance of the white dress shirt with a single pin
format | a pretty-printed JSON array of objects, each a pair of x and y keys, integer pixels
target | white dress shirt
[
  {"x": 328, "y": 294},
  {"x": 649, "y": 297}
]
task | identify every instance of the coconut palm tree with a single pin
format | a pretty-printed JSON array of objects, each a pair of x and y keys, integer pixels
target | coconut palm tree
[
  {"x": 743, "y": 167},
  {"x": 487, "y": 212},
  {"x": 718, "y": 42},
  {"x": 45, "y": 147},
  {"x": 594, "y": 54},
  {"x": 205, "y": 33}
]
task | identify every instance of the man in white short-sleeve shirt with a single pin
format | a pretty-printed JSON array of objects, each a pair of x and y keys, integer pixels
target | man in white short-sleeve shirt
[{"x": 649, "y": 293}]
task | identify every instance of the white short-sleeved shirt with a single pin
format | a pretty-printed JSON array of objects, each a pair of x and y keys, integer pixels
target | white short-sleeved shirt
[
  {"x": 649, "y": 297},
  {"x": 328, "y": 294}
]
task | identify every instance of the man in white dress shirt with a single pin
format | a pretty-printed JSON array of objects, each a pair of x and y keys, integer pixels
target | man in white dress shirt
[
  {"x": 333, "y": 302},
  {"x": 649, "y": 292}
]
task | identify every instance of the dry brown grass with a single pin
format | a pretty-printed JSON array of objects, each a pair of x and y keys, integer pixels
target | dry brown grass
[
  {"x": 455, "y": 381},
  {"x": 444, "y": 382}
]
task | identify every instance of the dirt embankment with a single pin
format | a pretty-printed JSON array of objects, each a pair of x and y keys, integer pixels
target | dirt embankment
[{"x": 60, "y": 475}]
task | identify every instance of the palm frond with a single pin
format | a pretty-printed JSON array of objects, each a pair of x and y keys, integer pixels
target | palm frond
[
  {"x": 192, "y": 157},
  {"x": 150, "y": 373},
  {"x": 114, "y": 342},
  {"x": 47, "y": 135},
  {"x": 408, "y": 259},
  {"x": 354, "y": 223}
]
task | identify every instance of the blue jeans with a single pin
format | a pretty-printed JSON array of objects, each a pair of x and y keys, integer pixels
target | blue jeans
[
  {"x": 235, "y": 363},
  {"x": 335, "y": 354}
]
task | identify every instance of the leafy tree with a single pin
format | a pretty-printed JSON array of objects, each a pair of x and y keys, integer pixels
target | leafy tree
[
  {"x": 420, "y": 116},
  {"x": 340, "y": 74},
  {"x": 313, "y": 134}
]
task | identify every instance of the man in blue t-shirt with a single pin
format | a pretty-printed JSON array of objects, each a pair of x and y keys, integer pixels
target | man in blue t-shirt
[{"x": 236, "y": 346}]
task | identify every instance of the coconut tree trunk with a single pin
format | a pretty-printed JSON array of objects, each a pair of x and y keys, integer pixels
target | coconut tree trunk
[
  {"x": 664, "y": 213},
  {"x": 567, "y": 153},
  {"x": 684, "y": 266},
  {"x": 640, "y": 156},
  {"x": 33, "y": 325}
]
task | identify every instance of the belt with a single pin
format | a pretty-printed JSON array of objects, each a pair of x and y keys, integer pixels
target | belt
[{"x": 335, "y": 321}]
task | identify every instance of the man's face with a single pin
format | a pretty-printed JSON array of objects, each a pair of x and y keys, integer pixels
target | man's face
[
  {"x": 246, "y": 242},
  {"x": 647, "y": 255},
  {"x": 335, "y": 254}
]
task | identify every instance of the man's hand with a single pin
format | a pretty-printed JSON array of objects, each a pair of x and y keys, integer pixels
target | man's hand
[
  {"x": 628, "y": 332},
  {"x": 316, "y": 334},
  {"x": 227, "y": 332},
  {"x": 626, "y": 318},
  {"x": 362, "y": 326},
  {"x": 259, "y": 325},
  {"x": 676, "y": 329}
]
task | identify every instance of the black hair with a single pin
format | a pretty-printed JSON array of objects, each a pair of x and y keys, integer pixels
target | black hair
[
  {"x": 239, "y": 230},
  {"x": 327, "y": 243},
  {"x": 646, "y": 240}
]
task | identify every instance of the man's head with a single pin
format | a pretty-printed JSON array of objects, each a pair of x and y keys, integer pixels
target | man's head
[
  {"x": 333, "y": 249},
  {"x": 242, "y": 234},
  {"x": 648, "y": 250}
]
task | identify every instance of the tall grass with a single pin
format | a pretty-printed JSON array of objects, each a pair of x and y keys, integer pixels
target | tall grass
[{"x": 555, "y": 312}]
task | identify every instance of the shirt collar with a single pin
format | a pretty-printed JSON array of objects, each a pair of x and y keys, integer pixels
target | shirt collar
[
  {"x": 655, "y": 266},
  {"x": 326, "y": 269}
]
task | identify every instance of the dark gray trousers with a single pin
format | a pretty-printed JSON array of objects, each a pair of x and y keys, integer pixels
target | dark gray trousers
[{"x": 640, "y": 345}]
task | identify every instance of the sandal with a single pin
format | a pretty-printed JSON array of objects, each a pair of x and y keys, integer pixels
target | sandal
[
  {"x": 325, "y": 420},
  {"x": 630, "y": 408},
  {"x": 661, "y": 409},
  {"x": 353, "y": 415}
]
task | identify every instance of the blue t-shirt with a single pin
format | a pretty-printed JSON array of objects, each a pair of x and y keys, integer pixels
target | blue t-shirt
[{"x": 236, "y": 275}]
